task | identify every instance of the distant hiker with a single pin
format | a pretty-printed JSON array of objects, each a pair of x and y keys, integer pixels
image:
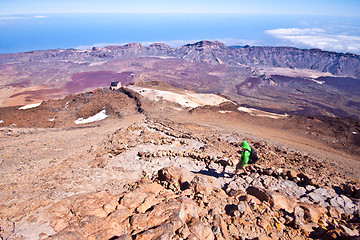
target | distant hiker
[{"x": 247, "y": 156}]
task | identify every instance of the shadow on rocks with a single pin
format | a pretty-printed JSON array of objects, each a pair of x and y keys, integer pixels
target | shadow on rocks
[{"x": 214, "y": 173}]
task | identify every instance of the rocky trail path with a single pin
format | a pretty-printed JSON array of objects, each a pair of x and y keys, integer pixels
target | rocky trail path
[{"x": 154, "y": 178}]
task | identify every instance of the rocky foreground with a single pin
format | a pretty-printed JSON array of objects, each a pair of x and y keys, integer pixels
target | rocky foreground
[
  {"x": 178, "y": 204},
  {"x": 159, "y": 179}
]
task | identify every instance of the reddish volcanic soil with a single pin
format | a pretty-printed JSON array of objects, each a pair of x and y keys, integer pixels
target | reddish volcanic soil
[
  {"x": 38, "y": 94},
  {"x": 85, "y": 80}
]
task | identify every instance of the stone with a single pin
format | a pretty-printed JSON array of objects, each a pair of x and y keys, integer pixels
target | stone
[
  {"x": 333, "y": 212},
  {"x": 59, "y": 222},
  {"x": 238, "y": 184},
  {"x": 179, "y": 177},
  {"x": 253, "y": 204},
  {"x": 90, "y": 205},
  {"x": 119, "y": 215},
  {"x": 122, "y": 237},
  {"x": 312, "y": 212},
  {"x": 251, "y": 201},
  {"x": 216, "y": 230},
  {"x": 259, "y": 193},
  {"x": 222, "y": 226},
  {"x": 316, "y": 198},
  {"x": 233, "y": 230},
  {"x": 305, "y": 179},
  {"x": 325, "y": 192},
  {"x": 242, "y": 207},
  {"x": 337, "y": 202},
  {"x": 201, "y": 184},
  {"x": 348, "y": 231},
  {"x": 309, "y": 188},
  {"x": 103, "y": 233},
  {"x": 268, "y": 181},
  {"x": 162, "y": 232},
  {"x": 147, "y": 204},
  {"x": 292, "y": 174},
  {"x": 153, "y": 188},
  {"x": 111, "y": 205},
  {"x": 264, "y": 222},
  {"x": 298, "y": 217},
  {"x": 133, "y": 199},
  {"x": 257, "y": 183},
  {"x": 184, "y": 232},
  {"x": 67, "y": 235},
  {"x": 199, "y": 231},
  {"x": 235, "y": 193},
  {"x": 248, "y": 179},
  {"x": 349, "y": 189},
  {"x": 159, "y": 215},
  {"x": 279, "y": 201}
]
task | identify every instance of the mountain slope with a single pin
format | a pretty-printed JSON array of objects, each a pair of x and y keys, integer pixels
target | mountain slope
[
  {"x": 209, "y": 52},
  {"x": 165, "y": 172},
  {"x": 277, "y": 79}
]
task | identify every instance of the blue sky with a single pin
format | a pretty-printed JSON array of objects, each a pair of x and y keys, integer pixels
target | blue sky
[
  {"x": 322, "y": 7},
  {"x": 27, "y": 25}
]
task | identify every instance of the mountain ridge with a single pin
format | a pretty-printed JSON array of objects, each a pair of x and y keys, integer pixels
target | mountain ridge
[{"x": 341, "y": 64}]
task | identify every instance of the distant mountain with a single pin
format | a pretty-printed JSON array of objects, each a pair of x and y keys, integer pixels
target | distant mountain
[
  {"x": 208, "y": 52},
  {"x": 275, "y": 79}
]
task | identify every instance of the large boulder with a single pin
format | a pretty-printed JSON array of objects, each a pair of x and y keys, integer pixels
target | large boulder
[
  {"x": 312, "y": 212},
  {"x": 176, "y": 177},
  {"x": 277, "y": 201},
  {"x": 201, "y": 185},
  {"x": 200, "y": 231}
]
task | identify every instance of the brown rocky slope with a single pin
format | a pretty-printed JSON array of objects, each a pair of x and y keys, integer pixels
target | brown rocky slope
[{"x": 157, "y": 171}]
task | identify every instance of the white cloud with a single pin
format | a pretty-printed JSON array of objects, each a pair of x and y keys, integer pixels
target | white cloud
[
  {"x": 18, "y": 17},
  {"x": 317, "y": 38},
  {"x": 11, "y": 18}
]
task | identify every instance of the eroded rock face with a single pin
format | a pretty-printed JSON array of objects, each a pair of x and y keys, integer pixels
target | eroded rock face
[
  {"x": 162, "y": 209},
  {"x": 147, "y": 212}
]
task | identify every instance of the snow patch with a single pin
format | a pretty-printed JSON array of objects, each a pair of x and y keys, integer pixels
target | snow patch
[
  {"x": 244, "y": 109},
  {"x": 318, "y": 82},
  {"x": 1, "y": 121},
  {"x": 355, "y": 133},
  {"x": 97, "y": 117},
  {"x": 259, "y": 113},
  {"x": 96, "y": 64},
  {"x": 224, "y": 111},
  {"x": 52, "y": 119},
  {"x": 185, "y": 98},
  {"x": 66, "y": 104},
  {"x": 34, "y": 105}
]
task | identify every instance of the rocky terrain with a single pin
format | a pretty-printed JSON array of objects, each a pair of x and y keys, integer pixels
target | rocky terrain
[
  {"x": 277, "y": 79},
  {"x": 210, "y": 52},
  {"x": 160, "y": 169}
]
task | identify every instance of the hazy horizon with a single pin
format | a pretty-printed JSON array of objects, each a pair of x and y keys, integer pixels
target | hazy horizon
[{"x": 42, "y": 25}]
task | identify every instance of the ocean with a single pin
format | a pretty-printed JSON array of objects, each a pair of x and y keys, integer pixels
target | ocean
[{"x": 23, "y": 33}]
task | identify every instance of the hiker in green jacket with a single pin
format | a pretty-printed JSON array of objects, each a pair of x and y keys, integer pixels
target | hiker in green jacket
[{"x": 244, "y": 157}]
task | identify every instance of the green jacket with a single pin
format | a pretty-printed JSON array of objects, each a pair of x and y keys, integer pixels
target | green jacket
[{"x": 245, "y": 155}]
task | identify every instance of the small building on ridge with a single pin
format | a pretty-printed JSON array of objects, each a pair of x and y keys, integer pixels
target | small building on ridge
[{"x": 115, "y": 85}]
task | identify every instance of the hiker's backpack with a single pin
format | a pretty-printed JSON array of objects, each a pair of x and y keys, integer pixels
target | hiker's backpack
[{"x": 253, "y": 155}]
